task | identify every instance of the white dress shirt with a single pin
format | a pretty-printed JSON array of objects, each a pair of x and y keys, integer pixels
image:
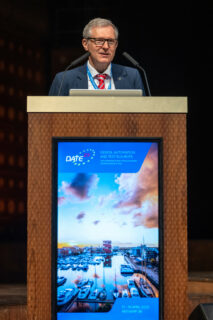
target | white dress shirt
[{"x": 94, "y": 72}]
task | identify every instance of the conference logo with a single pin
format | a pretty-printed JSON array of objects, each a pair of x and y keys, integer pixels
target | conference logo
[{"x": 82, "y": 158}]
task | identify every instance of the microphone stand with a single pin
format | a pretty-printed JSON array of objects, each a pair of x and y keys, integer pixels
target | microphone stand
[
  {"x": 71, "y": 65},
  {"x": 137, "y": 65}
]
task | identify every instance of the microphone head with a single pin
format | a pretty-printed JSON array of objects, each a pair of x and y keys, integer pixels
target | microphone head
[
  {"x": 80, "y": 59},
  {"x": 131, "y": 59},
  {"x": 125, "y": 54},
  {"x": 85, "y": 55}
]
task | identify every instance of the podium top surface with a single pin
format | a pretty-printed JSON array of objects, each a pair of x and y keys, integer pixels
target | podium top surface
[{"x": 79, "y": 104}]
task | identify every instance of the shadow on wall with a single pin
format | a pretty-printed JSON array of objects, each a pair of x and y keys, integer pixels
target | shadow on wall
[
  {"x": 13, "y": 262},
  {"x": 200, "y": 257}
]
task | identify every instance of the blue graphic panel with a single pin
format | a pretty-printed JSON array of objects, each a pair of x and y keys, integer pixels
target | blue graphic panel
[
  {"x": 132, "y": 309},
  {"x": 101, "y": 157}
]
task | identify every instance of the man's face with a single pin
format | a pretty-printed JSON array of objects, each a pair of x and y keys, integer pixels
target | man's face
[{"x": 100, "y": 55}]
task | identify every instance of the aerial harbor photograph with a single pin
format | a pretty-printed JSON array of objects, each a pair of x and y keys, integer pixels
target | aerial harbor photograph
[
  {"x": 108, "y": 237},
  {"x": 90, "y": 279}
]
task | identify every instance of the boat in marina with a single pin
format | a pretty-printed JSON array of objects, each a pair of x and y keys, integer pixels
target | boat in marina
[
  {"x": 125, "y": 293},
  {"x": 61, "y": 281},
  {"x": 66, "y": 296},
  {"x": 65, "y": 266},
  {"x": 134, "y": 292},
  {"x": 116, "y": 293},
  {"x": 103, "y": 294},
  {"x": 82, "y": 283},
  {"x": 85, "y": 267},
  {"x": 102, "y": 259},
  {"x": 94, "y": 294},
  {"x": 84, "y": 292},
  {"x": 146, "y": 289},
  {"x": 74, "y": 267},
  {"x": 126, "y": 269},
  {"x": 79, "y": 267},
  {"x": 131, "y": 283}
]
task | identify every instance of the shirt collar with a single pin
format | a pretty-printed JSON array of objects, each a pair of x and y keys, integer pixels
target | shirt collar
[{"x": 94, "y": 72}]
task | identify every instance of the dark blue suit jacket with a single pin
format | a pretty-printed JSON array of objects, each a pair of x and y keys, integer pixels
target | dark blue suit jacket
[{"x": 123, "y": 77}]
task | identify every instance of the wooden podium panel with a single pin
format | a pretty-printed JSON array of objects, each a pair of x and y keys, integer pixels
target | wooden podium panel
[{"x": 132, "y": 122}]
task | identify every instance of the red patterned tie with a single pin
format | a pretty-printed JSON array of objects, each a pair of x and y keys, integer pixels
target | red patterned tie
[{"x": 101, "y": 78}]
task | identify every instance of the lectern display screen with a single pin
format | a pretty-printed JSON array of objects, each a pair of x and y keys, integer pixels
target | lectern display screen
[{"x": 106, "y": 229}]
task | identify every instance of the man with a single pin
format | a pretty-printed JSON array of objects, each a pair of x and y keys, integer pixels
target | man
[{"x": 100, "y": 39}]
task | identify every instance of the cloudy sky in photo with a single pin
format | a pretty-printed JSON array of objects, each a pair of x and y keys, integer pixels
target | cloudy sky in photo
[{"x": 121, "y": 207}]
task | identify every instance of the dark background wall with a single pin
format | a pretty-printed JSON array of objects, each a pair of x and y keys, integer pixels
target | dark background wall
[{"x": 39, "y": 38}]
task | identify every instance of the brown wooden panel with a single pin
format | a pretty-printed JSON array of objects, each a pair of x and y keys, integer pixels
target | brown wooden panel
[
  {"x": 13, "y": 313},
  {"x": 172, "y": 128}
]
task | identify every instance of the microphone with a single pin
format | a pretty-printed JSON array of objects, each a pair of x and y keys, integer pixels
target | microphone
[
  {"x": 137, "y": 65},
  {"x": 72, "y": 65},
  {"x": 78, "y": 60}
]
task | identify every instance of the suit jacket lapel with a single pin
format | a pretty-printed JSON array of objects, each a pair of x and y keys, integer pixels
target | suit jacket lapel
[
  {"x": 81, "y": 77},
  {"x": 119, "y": 76}
]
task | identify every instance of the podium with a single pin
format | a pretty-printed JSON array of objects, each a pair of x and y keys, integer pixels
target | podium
[{"x": 158, "y": 117}]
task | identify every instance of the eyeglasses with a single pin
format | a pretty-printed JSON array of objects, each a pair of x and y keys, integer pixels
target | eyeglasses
[{"x": 100, "y": 42}]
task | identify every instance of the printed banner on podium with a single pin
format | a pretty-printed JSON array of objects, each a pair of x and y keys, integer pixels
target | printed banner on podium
[{"x": 107, "y": 217}]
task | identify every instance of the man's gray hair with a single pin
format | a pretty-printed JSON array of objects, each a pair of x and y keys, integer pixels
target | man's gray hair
[{"x": 98, "y": 22}]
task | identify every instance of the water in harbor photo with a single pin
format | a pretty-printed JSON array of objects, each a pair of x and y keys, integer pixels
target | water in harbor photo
[{"x": 91, "y": 282}]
